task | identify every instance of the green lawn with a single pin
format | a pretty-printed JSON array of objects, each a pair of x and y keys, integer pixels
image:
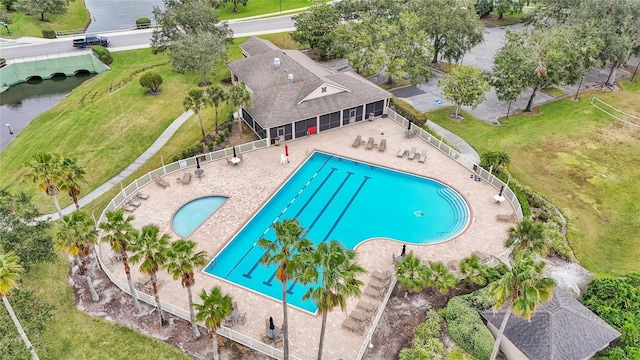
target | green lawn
[
  {"x": 583, "y": 161},
  {"x": 259, "y": 7},
  {"x": 72, "y": 334},
  {"x": 29, "y": 25}
]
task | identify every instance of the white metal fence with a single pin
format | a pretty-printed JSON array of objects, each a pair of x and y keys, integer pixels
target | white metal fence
[
  {"x": 170, "y": 308},
  {"x": 462, "y": 160}
]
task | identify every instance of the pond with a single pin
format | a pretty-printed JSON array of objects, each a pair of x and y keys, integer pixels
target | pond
[{"x": 119, "y": 14}]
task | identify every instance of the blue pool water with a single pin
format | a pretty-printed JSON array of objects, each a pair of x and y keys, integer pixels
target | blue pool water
[
  {"x": 346, "y": 200},
  {"x": 194, "y": 213}
]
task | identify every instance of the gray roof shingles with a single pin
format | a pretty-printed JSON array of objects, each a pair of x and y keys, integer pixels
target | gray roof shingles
[
  {"x": 561, "y": 329},
  {"x": 277, "y": 102}
]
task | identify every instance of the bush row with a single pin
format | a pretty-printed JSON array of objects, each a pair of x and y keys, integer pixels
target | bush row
[
  {"x": 466, "y": 327},
  {"x": 103, "y": 54},
  {"x": 406, "y": 110}
]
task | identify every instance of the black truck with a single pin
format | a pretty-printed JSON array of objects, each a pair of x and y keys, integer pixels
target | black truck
[{"x": 90, "y": 40}]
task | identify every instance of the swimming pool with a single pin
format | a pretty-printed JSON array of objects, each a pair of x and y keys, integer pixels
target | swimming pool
[
  {"x": 350, "y": 201},
  {"x": 194, "y": 213}
]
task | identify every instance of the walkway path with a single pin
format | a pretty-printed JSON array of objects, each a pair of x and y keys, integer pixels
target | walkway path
[
  {"x": 456, "y": 141},
  {"x": 117, "y": 180}
]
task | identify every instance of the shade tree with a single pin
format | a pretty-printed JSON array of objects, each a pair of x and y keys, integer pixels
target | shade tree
[
  {"x": 507, "y": 6},
  {"x": 42, "y": 6},
  {"x": 236, "y": 3},
  {"x": 452, "y": 27},
  {"x": 394, "y": 47},
  {"x": 316, "y": 26},
  {"x": 198, "y": 52},
  {"x": 464, "y": 85}
]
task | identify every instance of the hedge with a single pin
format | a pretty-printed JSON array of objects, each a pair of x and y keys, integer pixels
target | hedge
[
  {"x": 103, "y": 54},
  {"x": 467, "y": 329},
  {"x": 48, "y": 32},
  {"x": 143, "y": 23},
  {"x": 406, "y": 110}
]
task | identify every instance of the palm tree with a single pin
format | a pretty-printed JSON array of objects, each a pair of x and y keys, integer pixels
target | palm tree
[
  {"x": 440, "y": 277},
  {"x": 474, "y": 271},
  {"x": 45, "y": 169},
  {"x": 9, "y": 274},
  {"x": 73, "y": 176},
  {"x": 215, "y": 96},
  {"x": 151, "y": 249},
  {"x": 214, "y": 309},
  {"x": 522, "y": 288},
  {"x": 182, "y": 262},
  {"x": 284, "y": 252},
  {"x": 412, "y": 275},
  {"x": 495, "y": 160},
  {"x": 335, "y": 269},
  {"x": 195, "y": 101},
  {"x": 76, "y": 236},
  {"x": 238, "y": 97},
  {"x": 120, "y": 233},
  {"x": 528, "y": 235}
]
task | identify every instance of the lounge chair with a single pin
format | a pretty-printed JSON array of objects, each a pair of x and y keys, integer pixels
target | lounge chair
[
  {"x": 266, "y": 339},
  {"x": 161, "y": 182},
  {"x": 353, "y": 326},
  {"x": 229, "y": 162},
  {"x": 129, "y": 208},
  {"x": 373, "y": 292},
  {"x": 134, "y": 202},
  {"x": 360, "y": 317},
  {"x": 186, "y": 178},
  {"x": 242, "y": 318},
  {"x": 142, "y": 196},
  {"x": 385, "y": 278},
  {"x": 369, "y": 143},
  {"x": 357, "y": 141},
  {"x": 367, "y": 306},
  {"x": 412, "y": 153},
  {"x": 506, "y": 218},
  {"x": 403, "y": 151},
  {"x": 378, "y": 285},
  {"x": 383, "y": 145},
  {"x": 423, "y": 156}
]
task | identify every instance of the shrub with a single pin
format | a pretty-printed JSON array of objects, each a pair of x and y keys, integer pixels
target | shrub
[
  {"x": 151, "y": 81},
  {"x": 210, "y": 145},
  {"x": 48, "y": 32},
  {"x": 417, "y": 354},
  {"x": 484, "y": 7},
  {"x": 426, "y": 339},
  {"x": 143, "y": 23},
  {"x": 405, "y": 109},
  {"x": 467, "y": 329},
  {"x": 103, "y": 54}
]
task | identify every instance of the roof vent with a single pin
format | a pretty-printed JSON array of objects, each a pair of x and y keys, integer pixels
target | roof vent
[
  {"x": 290, "y": 78},
  {"x": 276, "y": 63}
]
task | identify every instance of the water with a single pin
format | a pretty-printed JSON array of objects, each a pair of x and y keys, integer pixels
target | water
[
  {"x": 24, "y": 102},
  {"x": 194, "y": 213},
  {"x": 119, "y": 14},
  {"x": 337, "y": 198}
]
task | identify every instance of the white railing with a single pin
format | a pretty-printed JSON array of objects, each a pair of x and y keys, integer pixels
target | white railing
[
  {"x": 374, "y": 324},
  {"x": 170, "y": 308},
  {"x": 25, "y": 59},
  {"x": 462, "y": 160}
]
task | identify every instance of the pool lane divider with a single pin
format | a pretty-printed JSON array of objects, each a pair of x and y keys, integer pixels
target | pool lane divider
[
  {"x": 253, "y": 268},
  {"x": 326, "y": 205},
  {"x": 353, "y": 197},
  {"x": 315, "y": 192}
]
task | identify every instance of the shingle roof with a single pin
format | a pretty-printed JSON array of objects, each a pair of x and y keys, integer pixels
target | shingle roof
[
  {"x": 561, "y": 329},
  {"x": 277, "y": 102}
]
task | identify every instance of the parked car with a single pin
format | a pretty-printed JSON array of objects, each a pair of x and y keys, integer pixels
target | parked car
[{"x": 90, "y": 40}]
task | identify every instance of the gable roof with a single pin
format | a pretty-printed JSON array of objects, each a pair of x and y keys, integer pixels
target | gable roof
[
  {"x": 276, "y": 101},
  {"x": 561, "y": 329}
]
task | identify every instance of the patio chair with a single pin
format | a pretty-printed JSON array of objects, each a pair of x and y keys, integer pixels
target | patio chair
[
  {"x": 412, "y": 153},
  {"x": 373, "y": 292},
  {"x": 142, "y": 196},
  {"x": 278, "y": 342},
  {"x": 134, "y": 202},
  {"x": 353, "y": 326},
  {"x": 506, "y": 218},
  {"x": 367, "y": 306},
  {"x": 403, "y": 151},
  {"x": 357, "y": 141},
  {"x": 378, "y": 275},
  {"x": 161, "y": 182},
  {"x": 383, "y": 145},
  {"x": 186, "y": 178},
  {"x": 129, "y": 208},
  {"x": 229, "y": 162},
  {"x": 266, "y": 339},
  {"x": 369, "y": 143},
  {"x": 423, "y": 156}
]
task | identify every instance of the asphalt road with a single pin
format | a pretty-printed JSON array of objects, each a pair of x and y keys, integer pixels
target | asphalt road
[{"x": 136, "y": 38}]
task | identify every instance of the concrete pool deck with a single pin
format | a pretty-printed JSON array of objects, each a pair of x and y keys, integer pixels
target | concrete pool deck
[{"x": 249, "y": 185}]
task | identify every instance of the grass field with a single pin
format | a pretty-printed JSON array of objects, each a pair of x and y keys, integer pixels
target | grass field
[
  {"x": 259, "y": 7},
  {"x": 72, "y": 334},
  {"x": 584, "y": 162},
  {"x": 76, "y": 17}
]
